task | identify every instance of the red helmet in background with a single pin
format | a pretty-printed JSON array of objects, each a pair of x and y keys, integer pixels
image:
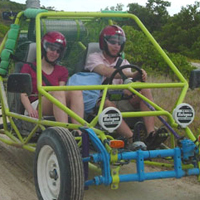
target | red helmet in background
[
  {"x": 109, "y": 32},
  {"x": 55, "y": 41}
]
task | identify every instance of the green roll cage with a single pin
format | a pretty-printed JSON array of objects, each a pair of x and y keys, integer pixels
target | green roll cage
[{"x": 39, "y": 14}]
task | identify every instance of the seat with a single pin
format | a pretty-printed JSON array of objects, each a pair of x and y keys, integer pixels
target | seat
[
  {"x": 94, "y": 47},
  {"x": 14, "y": 101},
  {"x": 31, "y": 53},
  {"x": 91, "y": 48},
  {"x": 82, "y": 79}
]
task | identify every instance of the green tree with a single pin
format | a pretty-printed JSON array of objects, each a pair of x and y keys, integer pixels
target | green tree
[
  {"x": 158, "y": 7},
  {"x": 181, "y": 32},
  {"x": 118, "y": 7},
  {"x": 153, "y": 16},
  {"x": 8, "y": 6},
  {"x": 141, "y": 12},
  {"x": 48, "y": 8},
  {"x": 141, "y": 52}
]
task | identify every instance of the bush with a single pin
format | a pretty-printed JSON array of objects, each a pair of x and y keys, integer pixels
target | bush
[
  {"x": 141, "y": 52},
  {"x": 3, "y": 30}
]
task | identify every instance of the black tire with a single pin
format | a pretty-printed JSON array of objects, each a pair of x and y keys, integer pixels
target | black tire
[{"x": 58, "y": 167}]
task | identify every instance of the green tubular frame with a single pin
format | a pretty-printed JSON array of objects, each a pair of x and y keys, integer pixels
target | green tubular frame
[
  {"x": 43, "y": 90},
  {"x": 183, "y": 83}
]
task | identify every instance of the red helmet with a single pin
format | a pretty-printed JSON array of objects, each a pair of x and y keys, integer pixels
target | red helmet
[
  {"x": 110, "y": 32},
  {"x": 54, "y": 40}
]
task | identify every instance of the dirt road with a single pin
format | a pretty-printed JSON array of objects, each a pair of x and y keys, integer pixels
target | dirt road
[
  {"x": 16, "y": 182},
  {"x": 195, "y": 64}
]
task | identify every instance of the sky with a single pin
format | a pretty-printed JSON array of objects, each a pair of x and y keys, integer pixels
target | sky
[{"x": 97, "y": 5}]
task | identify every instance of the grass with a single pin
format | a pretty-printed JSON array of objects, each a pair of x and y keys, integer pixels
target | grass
[
  {"x": 193, "y": 60},
  {"x": 167, "y": 97}
]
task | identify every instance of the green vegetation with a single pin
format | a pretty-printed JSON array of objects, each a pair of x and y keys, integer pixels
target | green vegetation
[
  {"x": 168, "y": 98},
  {"x": 3, "y": 30},
  {"x": 178, "y": 35},
  {"x": 142, "y": 53},
  {"x": 11, "y": 6},
  {"x": 8, "y": 6}
]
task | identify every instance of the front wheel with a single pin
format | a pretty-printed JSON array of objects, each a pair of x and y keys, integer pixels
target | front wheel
[{"x": 58, "y": 167}]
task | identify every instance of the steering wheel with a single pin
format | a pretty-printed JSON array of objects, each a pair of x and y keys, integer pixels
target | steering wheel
[
  {"x": 116, "y": 95},
  {"x": 119, "y": 70}
]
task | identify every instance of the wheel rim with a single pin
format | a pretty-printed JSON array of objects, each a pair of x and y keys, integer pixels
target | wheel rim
[{"x": 48, "y": 173}]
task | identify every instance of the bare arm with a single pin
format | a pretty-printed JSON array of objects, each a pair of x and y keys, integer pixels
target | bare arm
[
  {"x": 62, "y": 83},
  {"x": 27, "y": 104},
  {"x": 107, "y": 72}
]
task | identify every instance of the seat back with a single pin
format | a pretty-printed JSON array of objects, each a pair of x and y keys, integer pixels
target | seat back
[
  {"x": 30, "y": 57},
  {"x": 14, "y": 101},
  {"x": 79, "y": 66},
  {"x": 31, "y": 53},
  {"x": 91, "y": 48}
]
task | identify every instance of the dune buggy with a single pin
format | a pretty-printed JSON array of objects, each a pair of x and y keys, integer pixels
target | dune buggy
[{"x": 63, "y": 161}]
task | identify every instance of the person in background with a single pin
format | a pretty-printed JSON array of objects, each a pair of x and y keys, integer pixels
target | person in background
[
  {"x": 53, "y": 45},
  {"x": 112, "y": 41}
]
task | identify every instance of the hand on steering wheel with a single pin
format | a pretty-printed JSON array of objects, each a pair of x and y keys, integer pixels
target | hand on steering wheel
[
  {"x": 124, "y": 77},
  {"x": 119, "y": 94}
]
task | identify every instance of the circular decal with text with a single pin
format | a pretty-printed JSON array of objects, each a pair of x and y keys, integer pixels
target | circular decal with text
[
  {"x": 110, "y": 119},
  {"x": 184, "y": 114}
]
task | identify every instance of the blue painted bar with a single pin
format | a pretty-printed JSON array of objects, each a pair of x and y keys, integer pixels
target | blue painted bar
[
  {"x": 103, "y": 156},
  {"x": 140, "y": 165},
  {"x": 157, "y": 175},
  {"x": 148, "y": 154},
  {"x": 87, "y": 159},
  {"x": 179, "y": 156},
  {"x": 177, "y": 163}
]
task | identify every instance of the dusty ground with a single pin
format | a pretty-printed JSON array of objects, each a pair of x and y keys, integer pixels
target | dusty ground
[
  {"x": 196, "y": 64},
  {"x": 16, "y": 182}
]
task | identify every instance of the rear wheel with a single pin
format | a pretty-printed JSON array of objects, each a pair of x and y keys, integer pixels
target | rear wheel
[{"x": 58, "y": 167}]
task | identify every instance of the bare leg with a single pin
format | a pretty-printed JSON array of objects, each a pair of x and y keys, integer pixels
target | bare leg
[
  {"x": 51, "y": 109},
  {"x": 72, "y": 99},
  {"x": 150, "y": 120},
  {"x": 126, "y": 132},
  {"x": 75, "y": 103}
]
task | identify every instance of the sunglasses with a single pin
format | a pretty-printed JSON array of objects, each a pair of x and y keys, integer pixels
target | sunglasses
[
  {"x": 54, "y": 48},
  {"x": 114, "y": 42}
]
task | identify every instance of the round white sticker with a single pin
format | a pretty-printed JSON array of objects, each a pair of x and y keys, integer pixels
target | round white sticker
[
  {"x": 183, "y": 114},
  {"x": 110, "y": 119}
]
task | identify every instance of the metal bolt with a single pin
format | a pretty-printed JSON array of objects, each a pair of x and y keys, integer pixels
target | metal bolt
[
  {"x": 53, "y": 174},
  {"x": 114, "y": 152}
]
